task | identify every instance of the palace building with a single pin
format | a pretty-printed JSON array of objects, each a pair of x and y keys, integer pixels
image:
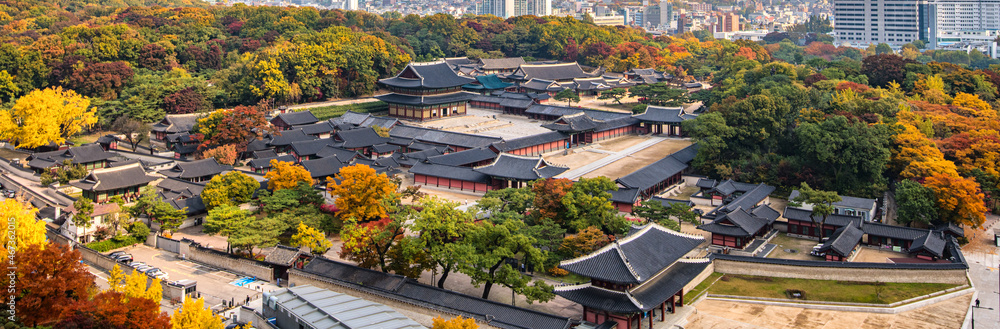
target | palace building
[{"x": 424, "y": 91}]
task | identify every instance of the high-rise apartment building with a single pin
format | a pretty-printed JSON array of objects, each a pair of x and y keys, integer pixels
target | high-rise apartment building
[
  {"x": 351, "y": 4},
  {"x": 659, "y": 17},
  {"x": 895, "y": 22},
  {"x": 950, "y": 17},
  {"x": 511, "y": 8},
  {"x": 729, "y": 22}
]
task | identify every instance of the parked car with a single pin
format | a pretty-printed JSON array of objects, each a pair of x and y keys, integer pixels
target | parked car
[
  {"x": 816, "y": 252},
  {"x": 159, "y": 275},
  {"x": 9, "y": 193},
  {"x": 151, "y": 269},
  {"x": 116, "y": 253},
  {"x": 143, "y": 268},
  {"x": 136, "y": 264},
  {"x": 124, "y": 258}
]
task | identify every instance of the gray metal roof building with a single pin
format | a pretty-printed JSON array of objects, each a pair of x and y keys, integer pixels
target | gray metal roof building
[{"x": 312, "y": 307}]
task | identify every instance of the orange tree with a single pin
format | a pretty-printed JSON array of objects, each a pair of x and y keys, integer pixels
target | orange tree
[
  {"x": 958, "y": 199},
  {"x": 50, "y": 279},
  {"x": 454, "y": 323},
  {"x": 112, "y": 309},
  {"x": 549, "y": 195},
  {"x": 286, "y": 175},
  {"x": 361, "y": 193}
]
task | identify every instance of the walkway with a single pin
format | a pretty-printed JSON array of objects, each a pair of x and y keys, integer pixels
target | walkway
[
  {"x": 332, "y": 103},
  {"x": 984, "y": 265},
  {"x": 583, "y": 170}
]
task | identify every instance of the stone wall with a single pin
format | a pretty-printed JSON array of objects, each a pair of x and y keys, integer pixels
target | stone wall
[
  {"x": 698, "y": 279},
  {"x": 420, "y": 314},
  {"x": 832, "y": 272},
  {"x": 231, "y": 263},
  {"x": 106, "y": 264}
]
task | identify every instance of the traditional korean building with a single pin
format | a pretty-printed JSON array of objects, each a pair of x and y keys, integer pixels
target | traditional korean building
[
  {"x": 100, "y": 185},
  {"x": 500, "y": 65},
  {"x": 739, "y": 228},
  {"x": 843, "y": 243},
  {"x": 90, "y": 156},
  {"x": 288, "y": 120},
  {"x": 647, "y": 76},
  {"x": 172, "y": 124},
  {"x": 424, "y": 91},
  {"x": 643, "y": 275},
  {"x": 664, "y": 120},
  {"x": 486, "y": 84},
  {"x": 558, "y": 72},
  {"x": 514, "y": 170},
  {"x": 196, "y": 171}
]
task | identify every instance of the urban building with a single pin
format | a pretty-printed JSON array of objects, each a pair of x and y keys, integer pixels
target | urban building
[
  {"x": 895, "y": 22},
  {"x": 965, "y": 24},
  {"x": 728, "y": 22},
  {"x": 512, "y": 8}
]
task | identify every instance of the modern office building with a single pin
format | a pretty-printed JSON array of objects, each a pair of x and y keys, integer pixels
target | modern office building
[
  {"x": 511, "y": 8},
  {"x": 658, "y": 17},
  {"x": 964, "y": 21},
  {"x": 894, "y": 22}
]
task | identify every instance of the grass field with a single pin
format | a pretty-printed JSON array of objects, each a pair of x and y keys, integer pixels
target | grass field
[
  {"x": 711, "y": 279},
  {"x": 824, "y": 290},
  {"x": 333, "y": 111}
]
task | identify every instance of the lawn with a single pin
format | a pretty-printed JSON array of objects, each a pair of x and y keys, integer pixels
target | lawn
[
  {"x": 333, "y": 111},
  {"x": 708, "y": 282},
  {"x": 823, "y": 290}
]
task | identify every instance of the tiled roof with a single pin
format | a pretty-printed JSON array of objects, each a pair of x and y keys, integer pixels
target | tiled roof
[
  {"x": 310, "y": 147},
  {"x": 508, "y": 63},
  {"x": 442, "y": 137},
  {"x": 635, "y": 258},
  {"x": 385, "y": 148},
  {"x": 811, "y": 264},
  {"x": 843, "y": 241},
  {"x": 558, "y": 111},
  {"x": 177, "y": 123},
  {"x": 561, "y": 71},
  {"x": 107, "y": 179},
  {"x": 298, "y": 118},
  {"x": 323, "y": 167},
  {"x": 451, "y": 172},
  {"x": 283, "y": 255},
  {"x": 86, "y": 153},
  {"x": 806, "y": 216},
  {"x": 466, "y": 157},
  {"x": 269, "y": 153},
  {"x": 542, "y": 85},
  {"x": 736, "y": 223},
  {"x": 361, "y": 137},
  {"x": 195, "y": 169},
  {"x": 344, "y": 155},
  {"x": 288, "y": 137},
  {"x": 577, "y": 122},
  {"x": 749, "y": 199},
  {"x": 891, "y": 231},
  {"x": 181, "y": 186},
  {"x": 624, "y": 195},
  {"x": 264, "y": 163},
  {"x": 317, "y": 128},
  {"x": 431, "y": 75},
  {"x": 394, "y": 98},
  {"x": 520, "y": 168},
  {"x": 488, "y": 82},
  {"x": 527, "y": 141},
  {"x": 653, "y": 173},
  {"x": 845, "y": 201},
  {"x": 705, "y": 183},
  {"x": 664, "y": 115}
]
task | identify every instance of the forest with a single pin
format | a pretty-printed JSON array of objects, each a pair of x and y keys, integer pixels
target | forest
[{"x": 790, "y": 110}]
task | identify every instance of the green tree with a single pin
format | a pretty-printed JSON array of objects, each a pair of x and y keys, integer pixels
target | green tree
[
  {"x": 514, "y": 200},
  {"x": 232, "y": 188},
  {"x": 821, "y": 202},
  {"x": 615, "y": 94},
  {"x": 83, "y": 218},
  {"x": 568, "y": 95},
  {"x": 442, "y": 225},
  {"x": 883, "y": 48},
  {"x": 914, "y": 203},
  {"x": 492, "y": 245},
  {"x": 226, "y": 220},
  {"x": 260, "y": 233},
  {"x": 659, "y": 94},
  {"x": 587, "y": 204},
  {"x": 168, "y": 217}
]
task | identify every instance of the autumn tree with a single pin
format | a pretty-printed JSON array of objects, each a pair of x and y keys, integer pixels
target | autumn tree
[
  {"x": 958, "y": 199},
  {"x": 135, "y": 131},
  {"x": 194, "y": 315},
  {"x": 914, "y": 203},
  {"x": 442, "y": 225},
  {"x": 548, "y": 202},
  {"x": 311, "y": 238},
  {"x": 135, "y": 287},
  {"x": 116, "y": 279},
  {"x": 103, "y": 79},
  {"x": 657, "y": 212},
  {"x": 584, "y": 242},
  {"x": 493, "y": 245},
  {"x": 50, "y": 279},
  {"x": 360, "y": 192},
  {"x": 225, "y": 154},
  {"x": 286, "y": 175},
  {"x": 821, "y": 202},
  {"x": 28, "y": 231},
  {"x": 882, "y": 69},
  {"x": 46, "y": 116},
  {"x": 368, "y": 244},
  {"x": 184, "y": 101},
  {"x": 232, "y": 188},
  {"x": 237, "y": 126},
  {"x": 568, "y": 95},
  {"x": 457, "y": 322},
  {"x": 112, "y": 309}
]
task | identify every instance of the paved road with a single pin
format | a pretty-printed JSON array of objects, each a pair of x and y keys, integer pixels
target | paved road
[
  {"x": 583, "y": 170},
  {"x": 32, "y": 189},
  {"x": 984, "y": 269}
]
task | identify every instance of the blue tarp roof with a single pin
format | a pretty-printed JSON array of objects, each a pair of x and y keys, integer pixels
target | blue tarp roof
[{"x": 488, "y": 82}]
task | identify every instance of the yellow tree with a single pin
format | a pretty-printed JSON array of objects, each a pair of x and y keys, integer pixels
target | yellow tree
[
  {"x": 959, "y": 200},
  {"x": 285, "y": 175},
  {"x": 454, "y": 323},
  {"x": 46, "y": 116},
  {"x": 28, "y": 231},
  {"x": 135, "y": 286},
  {"x": 312, "y": 238},
  {"x": 115, "y": 279},
  {"x": 360, "y": 192},
  {"x": 194, "y": 315}
]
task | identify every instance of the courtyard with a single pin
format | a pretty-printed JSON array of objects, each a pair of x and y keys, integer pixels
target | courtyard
[
  {"x": 793, "y": 248},
  {"x": 489, "y": 123}
]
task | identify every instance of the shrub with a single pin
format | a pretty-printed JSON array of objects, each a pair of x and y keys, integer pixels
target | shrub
[
  {"x": 103, "y": 233},
  {"x": 555, "y": 271},
  {"x": 639, "y": 108},
  {"x": 139, "y": 230},
  {"x": 115, "y": 243}
]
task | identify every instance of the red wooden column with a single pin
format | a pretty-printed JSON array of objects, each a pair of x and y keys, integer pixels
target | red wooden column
[
  {"x": 663, "y": 311},
  {"x": 673, "y": 306},
  {"x": 650, "y": 319},
  {"x": 681, "y": 298}
]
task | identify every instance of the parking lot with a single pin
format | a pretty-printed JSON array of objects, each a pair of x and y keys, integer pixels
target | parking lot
[{"x": 214, "y": 285}]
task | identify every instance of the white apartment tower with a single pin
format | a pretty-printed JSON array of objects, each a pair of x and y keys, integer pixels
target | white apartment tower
[
  {"x": 895, "y": 22},
  {"x": 511, "y": 8},
  {"x": 952, "y": 18},
  {"x": 351, "y": 4}
]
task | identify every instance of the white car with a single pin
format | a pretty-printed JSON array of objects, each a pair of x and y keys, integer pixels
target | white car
[
  {"x": 161, "y": 275},
  {"x": 136, "y": 264},
  {"x": 143, "y": 268}
]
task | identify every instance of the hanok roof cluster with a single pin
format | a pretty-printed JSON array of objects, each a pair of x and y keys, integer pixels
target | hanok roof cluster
[
  {"x": 742, "y": 222},
  {"x": 113, "y": 178},
  {"x": 735, "y": 195},
  {"x": 176, "y": 123},
  {"x": 648, "y": 76},
  {"x": 84, "y": 154},
  {"x": 196, "y": 170}
]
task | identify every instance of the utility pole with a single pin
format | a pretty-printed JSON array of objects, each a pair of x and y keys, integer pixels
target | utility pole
[{"x": 974, "y": 307}]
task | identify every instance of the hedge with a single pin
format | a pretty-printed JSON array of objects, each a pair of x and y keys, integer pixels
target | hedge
[
  {"x": 113, "y": 243},
  {"x": 329, "y": 112}
]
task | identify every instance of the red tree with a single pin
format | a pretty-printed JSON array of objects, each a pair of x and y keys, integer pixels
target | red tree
[
  {"x": 549, "y": 194},
  {"x": 103, "y": 80},
  {"x": 110, "y": 309},
  {"x": 49, "y": 280},
  {"x": 184, "y": 101},
  {"x": 152, "y": 56},
  {"x": 239, "y": 126}
]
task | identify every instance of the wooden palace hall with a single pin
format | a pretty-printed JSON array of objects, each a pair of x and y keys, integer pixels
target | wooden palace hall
[
  {"x": 424, "y": 91},
  {"x": 640, "y": 276}
]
